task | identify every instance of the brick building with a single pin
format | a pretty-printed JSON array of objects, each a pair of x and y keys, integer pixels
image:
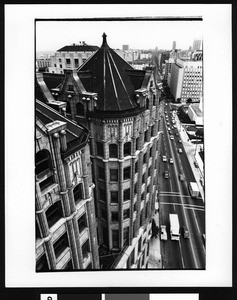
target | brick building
[{"x": 119, "y": 105}]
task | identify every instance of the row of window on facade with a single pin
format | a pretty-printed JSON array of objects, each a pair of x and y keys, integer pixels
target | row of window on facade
[
  {"x": 113, "y": 148},
  {"x": 60, "y": 246}
]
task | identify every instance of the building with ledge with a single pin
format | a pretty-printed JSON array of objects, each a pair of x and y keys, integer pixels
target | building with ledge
[
  {"x": 70, "y": 57},
  {"x": 119, "y": 105},
  {"x": 66, "y": 235}
]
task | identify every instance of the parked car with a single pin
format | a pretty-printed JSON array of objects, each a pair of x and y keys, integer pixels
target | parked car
[
  {"x": 195, "y": 164},
  {"x": 166, "y": 174},
  {"x": 163, "y": 233},
  {"x": 164, "y": 158},
  {"x": 202, "y": 181},
  {"x": 180, "y": 150},
  {"x": 171, "y": 137},
  {"x": 180, "y": 141},
  {"x": 176, "y": 134},
  {"x": 181, "y": 177},
  {"x": 185, "y": 232},
  {"x": 171, "y": 160},
  {"x": 204, "y": 238}
]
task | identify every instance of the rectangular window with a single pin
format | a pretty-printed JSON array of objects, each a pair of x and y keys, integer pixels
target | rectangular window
[
  {"x": 70, "y": 88},
  {"x": 127, "y": 148},
  {"x": 78, "y": 192},
  {"x": 114, "y": 196},
  {"x": 113, "y": 175},
  {"x": 76, "y": 62},
  {"x": 60, "y": 245},
  {"x": 102, "y": 195},
  {"x": 135, "y": 188},
  {"x": 68, "y": 61},
  {"x": 86, "y": 249},
  {"x": 101, "y": 173},
  {"x": 82, "y": 223},
  {"x": 114, "y": 216},
  {"x": 136, "y": 167},
  {"x": 42, "y": 264},
  {"x": 126, "y": 173},
  {"x": 61, "y": 66},
  {"x": 125, "y": 236},
  {"x": 104, "y": 214},
  {"x": 46, "y": 183},
  {"x": 126, "y": 213},
  {"x": 115, "y": 237},
  {"x": 126, "y": 195}
]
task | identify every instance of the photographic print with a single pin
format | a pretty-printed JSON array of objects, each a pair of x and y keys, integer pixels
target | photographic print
[
  {"x": 119, "y": 149},
  {"x": 119, "y": 179}
]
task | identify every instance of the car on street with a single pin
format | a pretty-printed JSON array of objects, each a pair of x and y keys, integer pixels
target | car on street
[
  {"x": 181, "y": 177},
  {"x": 166, "y": 174},
  {"x": 202, "y": 181},
  {"x": 204, "y": 238},
  {"x": 163, "y": 233},
  {"x": 164, "y": 158},
  {"x": 176, "y": 134},
  {"x": 195, "y": 164},
  {"x": 180, "y": 141},
  {"x": 180, "y": 150},
  {"x": 175, "y": 126},
  {"x": 185, "y": 232},
  {"x": 171, "y": 137},
  {"x": 168, "y": 128},
  {"x": 167, "y": 123},
  {"x": 171, "y": 160}
]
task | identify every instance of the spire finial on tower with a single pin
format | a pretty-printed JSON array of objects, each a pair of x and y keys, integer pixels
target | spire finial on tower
[{"x": 104, "y": 39}]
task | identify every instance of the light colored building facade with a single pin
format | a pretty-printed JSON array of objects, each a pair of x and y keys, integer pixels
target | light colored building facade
[
  {"x": 70, "y": 57},
  {"x": 66, "y": 236},
  {"x": 186, "y": 80}
]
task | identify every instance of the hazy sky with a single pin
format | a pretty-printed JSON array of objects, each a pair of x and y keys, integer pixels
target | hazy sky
[{"x": 52, "y": 35}]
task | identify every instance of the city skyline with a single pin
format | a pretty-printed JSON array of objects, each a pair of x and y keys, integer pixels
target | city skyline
[{"x": 61, "y": 33}]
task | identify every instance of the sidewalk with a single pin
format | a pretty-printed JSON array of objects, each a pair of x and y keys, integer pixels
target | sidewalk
[
  {"x": 190, "y": 151},
  {"x": 154, "y": 260}
]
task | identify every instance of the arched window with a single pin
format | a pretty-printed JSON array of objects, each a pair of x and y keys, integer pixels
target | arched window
[
  {"x": 154, "y": 100},
  {"x": 100, "y": 149},
  {"x": 80, "y": 109},
  {"x": 42, "y": 161},
  {"x": 127, "y": 149},
  {"x": 113, "y": 150}
]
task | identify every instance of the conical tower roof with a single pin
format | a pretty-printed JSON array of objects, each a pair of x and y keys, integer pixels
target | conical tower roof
[{"x": 107, "y": 74}]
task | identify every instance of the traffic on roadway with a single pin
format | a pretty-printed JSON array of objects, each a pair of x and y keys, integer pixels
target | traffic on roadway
[{"x": 187, "y": 249}]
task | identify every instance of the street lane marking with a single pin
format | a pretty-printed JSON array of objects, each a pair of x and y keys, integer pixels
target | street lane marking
[
  {"x": 184, "y": 205},
  {"x": 181, "y": 255},
  {"x": 196, "y": 221}
]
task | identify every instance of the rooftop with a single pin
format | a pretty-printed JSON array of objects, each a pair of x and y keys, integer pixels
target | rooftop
[
  {"x": 112, "y": 78},
  {"x": 76, "y": 134},
  {"x": 78, "y": 48}
]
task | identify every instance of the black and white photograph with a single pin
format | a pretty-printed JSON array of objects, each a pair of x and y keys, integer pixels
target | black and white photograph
[
  {"x": 123, "y": 117},
  {"x": 119, "y": 145}
]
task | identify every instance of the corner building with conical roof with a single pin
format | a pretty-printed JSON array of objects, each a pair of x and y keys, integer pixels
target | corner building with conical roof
[{"x": 123, "y": 124}]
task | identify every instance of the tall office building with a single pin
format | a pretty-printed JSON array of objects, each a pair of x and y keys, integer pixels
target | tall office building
[
  {"x": 125, "y": 47},
  {"x": 186, "y": 80},
  {"x": 197, "y": 45},
  {"x": 120, "y": 106},
  {"x": 174, "y": 45}
]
